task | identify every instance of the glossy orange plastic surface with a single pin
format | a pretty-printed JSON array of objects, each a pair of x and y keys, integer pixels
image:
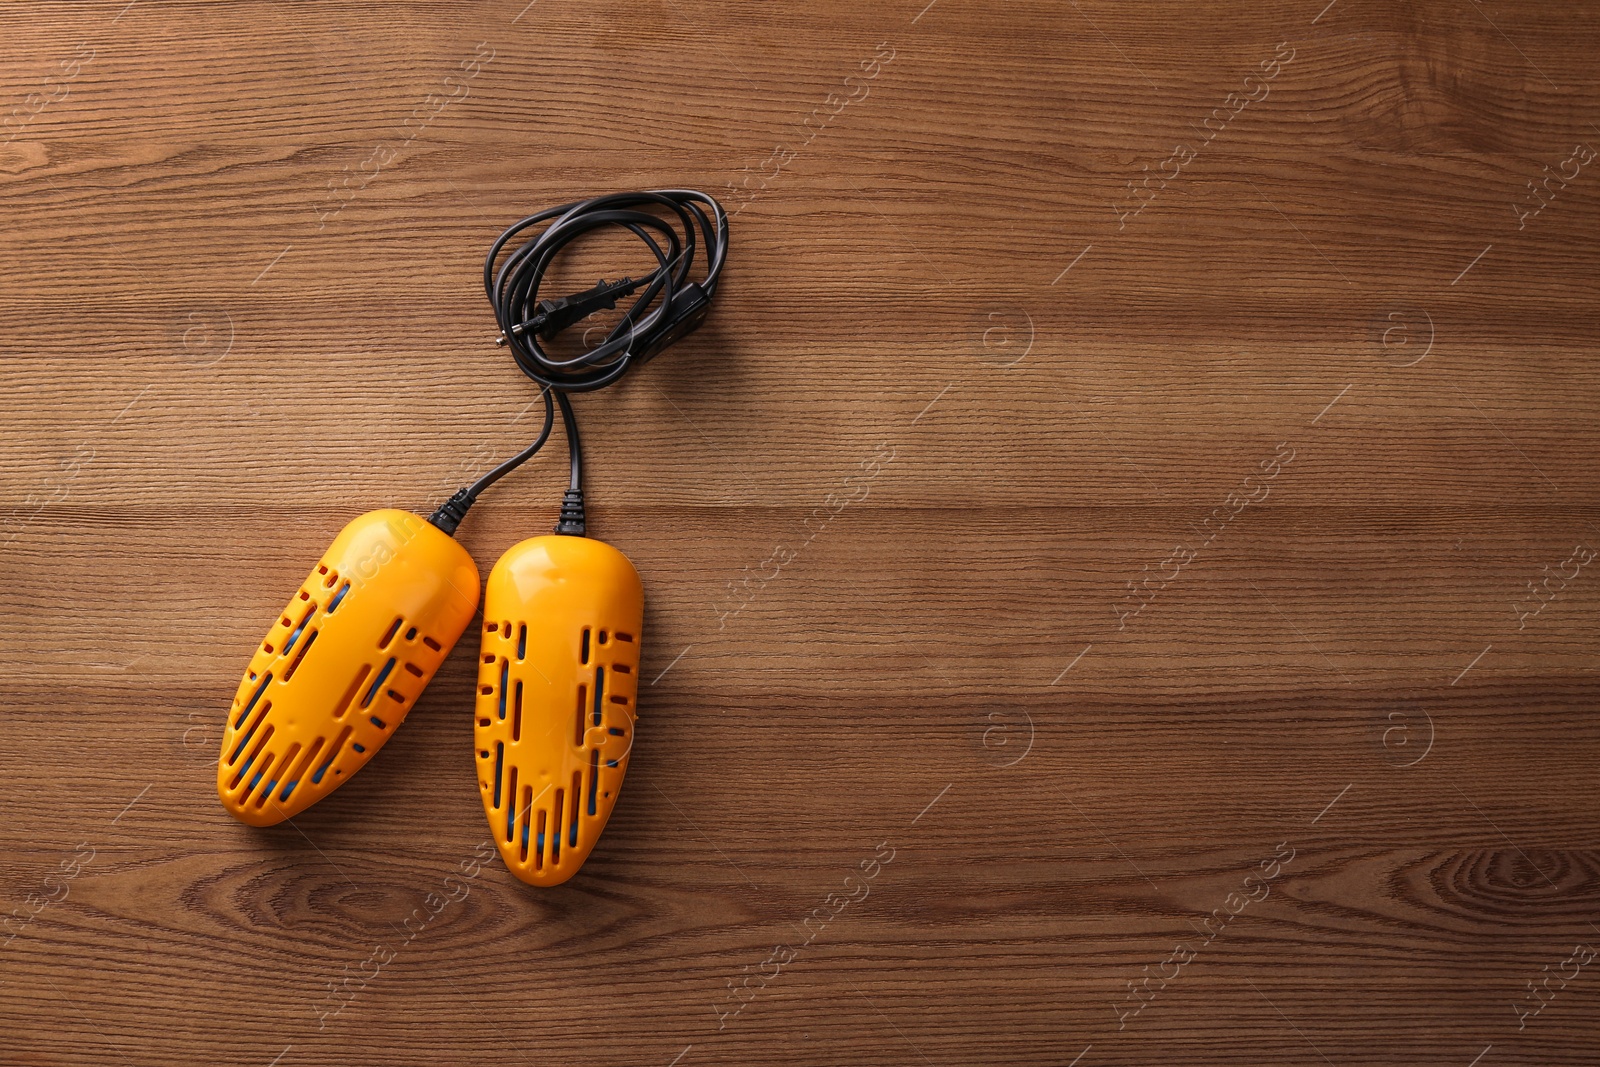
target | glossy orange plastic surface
[
  {"x": 344, "y": 662},
  {"x": 558, "y": 677}
]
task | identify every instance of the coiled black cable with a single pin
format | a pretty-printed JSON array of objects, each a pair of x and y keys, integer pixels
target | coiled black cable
[{"x": 670, "y": 307}]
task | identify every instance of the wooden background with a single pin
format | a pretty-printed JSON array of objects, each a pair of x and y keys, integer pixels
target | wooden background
[{"x": 1133, "y": 552}]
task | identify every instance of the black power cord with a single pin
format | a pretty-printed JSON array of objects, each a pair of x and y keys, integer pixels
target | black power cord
[{"x": 670, "y": 308}]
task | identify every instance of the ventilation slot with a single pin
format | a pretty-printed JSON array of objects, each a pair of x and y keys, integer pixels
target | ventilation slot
[
  {"x": 245, "y": 740},
  {"x": 298, "y": 629},
  {"x": 499, "y": 765},
  {"x": 505, "y": 669},
  {"x": 622, "y": 668},
  {"x": 285, "y": 765},
  {"x": 305, "y": 761},
  {"x": 411, "y": 634},
  {"x": 527, "y": 802},
  {"x": 555, "y": 830},
  {"x": 594, "y": 776},
  {"x": 413, "y": 670},
  {"x": 572, "y": 818},
  {"x": 538, "y": 843},
  {"x": 249, "y": 790},
  {"x": 583, "y": 710},
  {"x": 620, "y": 636},
  {"x": 583, "y": 656},
  {"x": 351, "y": 690},
  {"x": 522, "y": 641},
  {"x": 431, "y": 643},
  {"x": 388, "y": 636},
  {"x": 511, "y": 806},
  {"x": 261, "y": 743},
  {"x": 599, "y": 692},
  {"x": 262, "y": 688},
  {"x": 334, "y": 603},
  {"x": 333, "y": 754},
  {"x": 294, "y": 664},
  {"x": 377, "y": 683},
  {"x": 516, "y": 713}
]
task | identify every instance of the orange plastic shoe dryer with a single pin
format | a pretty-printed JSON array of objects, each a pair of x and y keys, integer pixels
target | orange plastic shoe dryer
[
  {"x": 557, "y": 682},
  {"x": 343, "y": 664}
]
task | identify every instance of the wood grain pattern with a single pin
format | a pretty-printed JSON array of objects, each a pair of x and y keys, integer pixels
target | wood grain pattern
[{"x": 1240, "y": 526}]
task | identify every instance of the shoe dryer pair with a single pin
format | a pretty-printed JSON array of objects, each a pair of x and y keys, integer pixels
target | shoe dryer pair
[{"x": 557, "y": 681}]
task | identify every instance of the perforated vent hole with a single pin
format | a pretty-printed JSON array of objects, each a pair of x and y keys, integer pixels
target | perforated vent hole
[
  {"x": 388, "y": 635},
  {"x": 594, "y": 776},
  {"x": 262, "y": 688},
  {"x": 333, "y": 752},
  {"x": 351, "y": 690},
  {"x": 557, "y": 810},
  {"x": 294, "y": 664},
  {"x": 238, "y": 775},
  {"x": 511, "y": 807},
  {"x": 245, "y": 740},
  {"x": 292, "y": 778},
  {"x": 295, "y": 636},
  {"x": 572, "y": 816},
  {"x": 527, "y": 805},
  {"x": 431, "y": 643},
  {"x": 261, "y": 772},
  {"x": 377, "y": 683},
  {"x": 499, "y": 765}
]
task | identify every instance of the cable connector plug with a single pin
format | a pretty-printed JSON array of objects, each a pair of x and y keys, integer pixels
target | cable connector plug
[
  {"x": 448, "y": 515},
  {"x": 690, "y": 306},
  {"x": 572, "y": 520},
  {"x": 556, "y": 315}
]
